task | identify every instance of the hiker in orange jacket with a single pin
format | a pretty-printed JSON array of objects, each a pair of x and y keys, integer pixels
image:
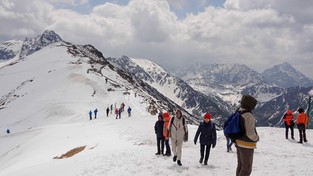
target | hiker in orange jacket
[
  {"x": 289, "y": 123},
  {"x": 166, "y": 119},
  {"x": 302, "y": 122}
]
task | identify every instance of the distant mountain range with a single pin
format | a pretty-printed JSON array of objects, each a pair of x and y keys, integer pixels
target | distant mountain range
[{"x": 198, "y": 88}]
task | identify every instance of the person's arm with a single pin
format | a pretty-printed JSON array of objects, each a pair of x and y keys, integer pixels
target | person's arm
[{"x": 197, "y": 134}]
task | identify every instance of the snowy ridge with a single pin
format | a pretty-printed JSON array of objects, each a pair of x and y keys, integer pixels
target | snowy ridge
[
  {"x": 284, "y": 75},
  {"x": 31, "y": 45},
  {"x": 172, "y": 87}
]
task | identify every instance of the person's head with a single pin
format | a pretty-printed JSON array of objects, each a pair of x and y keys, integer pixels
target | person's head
[
  {"x": 300, "y": 110},
  {"x": 178, "y": 114},
  {"x": 248, "y": 102},
  {"x": 207, "y": 117},
  {"x": 289, "y": 112},
  {"x": 166, "y": 116},
  {"x": 160, "y": 117}
]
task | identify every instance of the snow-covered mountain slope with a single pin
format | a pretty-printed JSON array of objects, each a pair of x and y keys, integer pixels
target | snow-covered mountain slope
[
  {"x": 9, "y": 50},
  {"x": 228, "y": 81},
  {"x": 172, "y": 87},
  {"x": 284, "y": 75},
  {"x": 127, "y": 147}
]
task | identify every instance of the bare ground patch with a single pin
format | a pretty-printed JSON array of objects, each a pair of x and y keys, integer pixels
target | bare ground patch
[{"x": 71, "y": 152}]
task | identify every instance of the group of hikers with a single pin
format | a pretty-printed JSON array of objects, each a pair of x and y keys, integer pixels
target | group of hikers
[
  {"x": 301, "y": 122},
  {"x": 118, "y": 111},
  {"x": 176, "y": 129}
]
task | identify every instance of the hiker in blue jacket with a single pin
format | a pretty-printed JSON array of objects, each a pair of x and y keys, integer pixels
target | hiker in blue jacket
[
  {"x": 90, "y": 115},
  {"x": 207, "y": 137}
]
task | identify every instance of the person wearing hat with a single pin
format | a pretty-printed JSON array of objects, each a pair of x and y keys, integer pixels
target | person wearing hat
[
  {"x": 207, "y": 132},
  {"x": 246, "y": 144},
  {"x": 302, "y": 123}
]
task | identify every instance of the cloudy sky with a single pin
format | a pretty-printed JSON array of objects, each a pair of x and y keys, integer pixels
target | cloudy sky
[{"x": 258, "y": 33}]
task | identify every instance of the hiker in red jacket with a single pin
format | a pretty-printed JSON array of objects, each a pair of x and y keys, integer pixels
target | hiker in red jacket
[{"x": 289, "y": 123}]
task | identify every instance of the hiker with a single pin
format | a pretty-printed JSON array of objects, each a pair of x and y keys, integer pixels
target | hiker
[
  {"x": 111, "y": 108},
  {"x": 90, "y": 115},
  {"x": 95, "y": 111},
  {"x": 302, "y": 123},
  {"x": 108, "y": 111},
  {"x": 8, "y": 131},
  {"x": 116, "y": 112},
  {"x": 158, "y": 129},
  {"x": 129, "y": 111},
  {"x": 246, "y": 144},
  {"x": 166, "y": 119},
  {"x": 289, "y": 123},
  {"x": 120, "y": 112},
  {"x": 178, "y": 132},
  {"x": 229, "y": 143},
  {"x": 207, "y": 132}
]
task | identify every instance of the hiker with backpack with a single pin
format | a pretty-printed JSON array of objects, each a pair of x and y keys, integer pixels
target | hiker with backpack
[
  {"x": 289, "y": 123},
  {"x": 95, "y": 111},
  {"x": 178, "y": 132},
  {"x": 108, "y": 111},
  {"x": 158, "y": 129},
  {"x": 240, "y": 127},
  {"x": 207, "y": 138},
  {"x": 166, "y": 119},
  {"x": 302, "y": 123}
]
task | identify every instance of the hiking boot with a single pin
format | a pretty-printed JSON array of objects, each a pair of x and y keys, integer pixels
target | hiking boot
[
  {"x": 179, "y": 163},
  {"x": 305, "y": 140},
  {"x": 300, "y": 142},
  {"x": 293, "y": 138},
  {"x": 174, "y": 158},
  {"x": 201, "y": 160},
  {"x": 168, "y": 154},
  {"x": 205, "y": 163},
  {"x": 158, "y": 153}
]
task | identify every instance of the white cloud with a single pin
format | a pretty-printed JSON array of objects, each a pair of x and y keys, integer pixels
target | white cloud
[{"x": 259, "y": 33}]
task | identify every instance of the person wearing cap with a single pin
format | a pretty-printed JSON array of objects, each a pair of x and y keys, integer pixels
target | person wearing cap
[
  {"x": 289, "y": 123},
  {"x": 302, "y": 123},
  {"x": 246, "y": 144},
  {"x": 207, "y": 132}
]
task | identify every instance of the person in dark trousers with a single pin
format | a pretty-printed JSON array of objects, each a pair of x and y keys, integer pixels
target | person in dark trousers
[
  {"x": 246, "y": 144},
  {"x": 90, "y": 115},
  {"x": 289, "y": 123},
  {"x": 207, "y": 132},
  {"x": 108, "y": 111},
  {"x": 95, "y": 111},
  {"x": 8, "y": 131},
  {"x": 229, "y": 143},
  {"x": 166, "y": 119},
  {"x": 129, "y": 110},
  {"x": 302, "y": 123},
  {"x": 158, "y": 129}
]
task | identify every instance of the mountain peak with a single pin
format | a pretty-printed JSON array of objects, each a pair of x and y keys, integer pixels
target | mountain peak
[
  {"x": 285, "y": 75},
  {"x": 34, "y": 44}
]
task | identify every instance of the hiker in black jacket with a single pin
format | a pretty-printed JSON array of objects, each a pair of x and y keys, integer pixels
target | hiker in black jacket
[
  {"x": 158, "y": 128},
  {"x": 207, "y": 137}
]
